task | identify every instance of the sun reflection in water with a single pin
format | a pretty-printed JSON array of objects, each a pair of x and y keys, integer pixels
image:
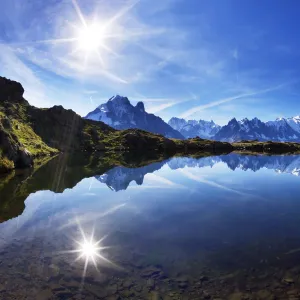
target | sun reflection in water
[{"x": 90, "y": 251}]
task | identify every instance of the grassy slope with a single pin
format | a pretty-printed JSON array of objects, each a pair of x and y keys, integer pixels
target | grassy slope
[{"x": 22, "y": 133}]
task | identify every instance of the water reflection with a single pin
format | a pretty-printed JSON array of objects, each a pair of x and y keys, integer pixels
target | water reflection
[
  {"x": 181, "y": 228},
  {"x": 119, "y": 178},
  {"x": 64, "y": 172}
]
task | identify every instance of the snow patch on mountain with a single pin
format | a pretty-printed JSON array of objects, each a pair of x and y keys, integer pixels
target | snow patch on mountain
[{"x": 278, "y": 130}]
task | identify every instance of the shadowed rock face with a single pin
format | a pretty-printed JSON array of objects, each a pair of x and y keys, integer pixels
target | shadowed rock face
[{"x": 10, "y": 90}]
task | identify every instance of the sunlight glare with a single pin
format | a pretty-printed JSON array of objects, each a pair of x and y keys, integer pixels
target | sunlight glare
[
  {"x": 90, "y": 38},
  {"x": 88, "y": 249}
]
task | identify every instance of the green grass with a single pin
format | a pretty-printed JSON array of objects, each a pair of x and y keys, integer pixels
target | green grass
[
  {"x": 30, "y": 140},
  {"x": 5, "y": 164}
]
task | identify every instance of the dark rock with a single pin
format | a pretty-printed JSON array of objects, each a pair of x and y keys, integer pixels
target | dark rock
[
  {"x": 151, "y": 272},
  {"x": 10, "y": 90},
  {"x": 24, "y": 159},
  {"x": 203, "y": 278},
  {"x": 6, "y": 123},
  {"x": 182, "y": 282},
  {"x": 100, "y": 147}
]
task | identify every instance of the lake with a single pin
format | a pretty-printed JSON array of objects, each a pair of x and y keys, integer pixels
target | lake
[{"x": 215, "y": 227}]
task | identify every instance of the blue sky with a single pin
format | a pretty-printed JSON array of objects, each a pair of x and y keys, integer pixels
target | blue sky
[{"x": 208, "y": 59}]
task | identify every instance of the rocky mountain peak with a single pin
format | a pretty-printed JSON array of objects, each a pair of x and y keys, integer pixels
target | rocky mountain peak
[
  {"x": 140, "y": 106},
  {"x": 233, "y": 121},
  {"x": 119, "y": 100}
]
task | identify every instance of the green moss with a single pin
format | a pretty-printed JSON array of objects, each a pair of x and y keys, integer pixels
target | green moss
[
  {"x": 6, "y": 165},
  {"x": 31, "y": 141}
]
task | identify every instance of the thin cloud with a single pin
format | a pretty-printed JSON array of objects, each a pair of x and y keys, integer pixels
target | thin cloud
[
  {"x": 157, "y": 108},
  {"x": 226, "y": 100},
  {"x": 163, "y": 180},
  {"x": 90, "y": 92}
]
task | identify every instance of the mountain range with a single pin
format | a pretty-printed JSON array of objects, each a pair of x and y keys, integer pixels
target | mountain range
[
  {"x": 119, "y": 113},
  {"x": 193, "y": 128},
  {"x": 279, "y": 130}
]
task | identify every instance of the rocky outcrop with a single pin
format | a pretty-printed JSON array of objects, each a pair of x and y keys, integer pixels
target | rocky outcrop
[
  {"x": 11, "y": 149},
  {"x": 10, "y": 90}
]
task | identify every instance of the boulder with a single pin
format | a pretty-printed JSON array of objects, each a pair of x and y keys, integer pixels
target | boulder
[
  {"x": 6, "y": 123},
  {"x": 24, "y": 159},
  {"x": 13, "y": 150}
]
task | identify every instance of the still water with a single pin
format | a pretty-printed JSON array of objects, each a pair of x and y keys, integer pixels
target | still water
[{"x": 218, "y": 227}]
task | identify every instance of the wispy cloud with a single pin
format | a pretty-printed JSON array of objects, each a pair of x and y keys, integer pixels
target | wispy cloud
[
  {"x": 193, "y": 110},
  {"x": 163, "y": 180},
  {"x": 13, "y": 67},
  {"x": 90, "y": 92}
]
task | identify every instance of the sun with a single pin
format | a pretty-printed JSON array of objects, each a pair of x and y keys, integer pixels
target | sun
[{"x": 91, "y": 38}]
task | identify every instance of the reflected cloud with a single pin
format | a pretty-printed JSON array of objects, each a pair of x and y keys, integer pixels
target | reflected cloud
[
  {"x": 194, "y": 177},
  {"x": 166, "y": 182},
  {"x": 90, "y": 217}
]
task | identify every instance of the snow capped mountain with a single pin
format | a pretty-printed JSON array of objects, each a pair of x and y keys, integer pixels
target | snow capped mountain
[
  {"x": 294, "y": 123},
  {"x": 119, "y": 113},
  {"x": 278, "y": 130},
  {"x": 193, "y": 128},
  {"x": 119, "y": 178}
]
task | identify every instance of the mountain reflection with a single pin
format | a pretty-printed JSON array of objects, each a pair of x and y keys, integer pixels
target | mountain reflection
[
  {"x": 119, "y": 178},
  {"x": 67, "y": 171}
]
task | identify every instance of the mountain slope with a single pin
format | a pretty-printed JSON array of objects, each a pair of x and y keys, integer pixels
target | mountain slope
[
  {"x": 193, "y": 128},
  {"x": 294, "y": 123},
  {"x": 254, "y": 129},
  {"x": 119, "y": 113}
]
